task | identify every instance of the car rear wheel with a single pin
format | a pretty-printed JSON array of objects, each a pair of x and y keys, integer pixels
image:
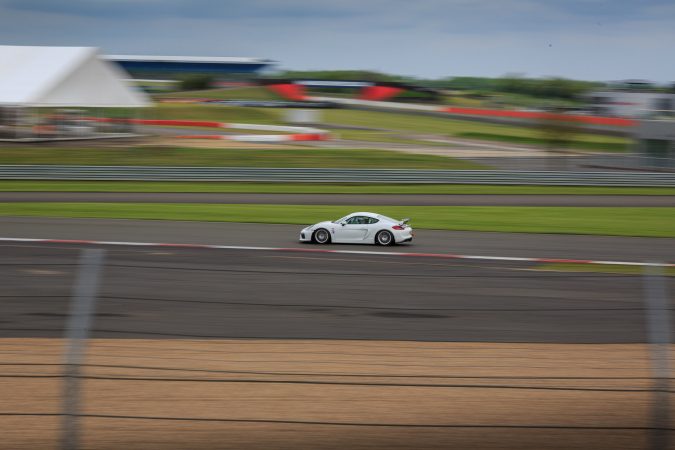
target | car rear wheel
[
  {"x": 322, "y": 236},
  {"x": 384, "y": 238}
]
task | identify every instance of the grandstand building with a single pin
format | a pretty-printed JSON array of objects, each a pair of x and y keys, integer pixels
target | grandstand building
[
  {"x": 655, "y": 137},
  {"x": 631, "y": 98},
  {"x": 163, "y": 67}
]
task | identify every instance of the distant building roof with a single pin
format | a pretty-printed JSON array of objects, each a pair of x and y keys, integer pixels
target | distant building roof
[
  {"x": 198, "y": 59},
  {"x": 139, "y": 64},
  {"x": 62, "y": 77}
]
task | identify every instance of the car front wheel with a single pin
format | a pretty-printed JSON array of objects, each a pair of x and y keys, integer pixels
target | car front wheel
[
  {"x": 322, "y": 236},
  {"x": 384, "y": 238}
]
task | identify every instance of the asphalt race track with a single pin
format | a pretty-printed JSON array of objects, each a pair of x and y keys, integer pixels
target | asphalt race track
[
  {"x": 345, "y": 199},
  {"x": 217, "y": 294},
  {"x": 525, "y": 245},
  {"x": 280, "y": 349},
  {"x": 155, "y": 292}
]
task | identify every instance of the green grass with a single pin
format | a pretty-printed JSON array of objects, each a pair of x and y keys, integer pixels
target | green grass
[
  {"x": 260, "y": 93},
  {"x": 594, "y": 145},
  {"x": 419, "y": 124},
  {"x": 653, "y": 222},
  {"x": 464, "y": 101},
  {"x": 512, "y": 100},
  {"x": 509, "y": 100},
  {"x": 397, "y": 122},
  {"x": 600, "y": 268},
  {"x": 387, "y": 137},
  {"x": 219, "y": 113},
  {"x": 190, "y": 111},
  {"x": 231, "y": 157},
  {"x": 243, "y": 93},
  {"x": 319, "y": 188}
]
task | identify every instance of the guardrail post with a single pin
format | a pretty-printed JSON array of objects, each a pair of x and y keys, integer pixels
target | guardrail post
[
  {"x": 77, "y": 332},
  {"x": 659, "y": 332}
]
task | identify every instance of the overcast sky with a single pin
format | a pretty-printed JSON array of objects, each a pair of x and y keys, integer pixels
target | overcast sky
[{"x": 584, "y": 39}]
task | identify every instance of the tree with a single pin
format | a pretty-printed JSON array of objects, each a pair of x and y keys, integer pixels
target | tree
[
  {"x": 196, "y": 82},
  {"x": 558, "y": 130}
]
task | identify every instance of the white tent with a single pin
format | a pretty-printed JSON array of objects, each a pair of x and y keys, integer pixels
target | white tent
[{"x": 63, "y": 77}]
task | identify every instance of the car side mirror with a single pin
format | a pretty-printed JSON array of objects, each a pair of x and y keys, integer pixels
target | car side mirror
[{"x": 342, "y": 223}]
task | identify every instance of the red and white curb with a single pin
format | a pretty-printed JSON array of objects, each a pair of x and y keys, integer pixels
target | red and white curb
[
  {"x": 259, "y": 137},
  {"x": 298, "y": 133},
  {"x": 340, "y": 252}
]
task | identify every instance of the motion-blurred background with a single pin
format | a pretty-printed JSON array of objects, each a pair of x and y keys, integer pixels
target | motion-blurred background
[{"x": 154, "y": 182}]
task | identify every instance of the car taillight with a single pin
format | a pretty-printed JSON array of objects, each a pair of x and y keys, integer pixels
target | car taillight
[{"x": 397, "y": 227}]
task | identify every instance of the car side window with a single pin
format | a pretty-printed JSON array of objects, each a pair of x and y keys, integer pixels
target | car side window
[
  {"x": 358, "y": 220},
  {"x": 372, "y": 220}
]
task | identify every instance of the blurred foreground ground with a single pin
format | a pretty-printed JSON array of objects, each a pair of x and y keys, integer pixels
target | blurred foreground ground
[
  {"x": 215, "y": 349},
  {"x": 262, "y": 394}
]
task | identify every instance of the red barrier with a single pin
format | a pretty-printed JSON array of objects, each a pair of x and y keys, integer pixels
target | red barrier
[
  {"x": 308, "y": 137},
  {"x": 196, "y": 123},
  {"x": 289, "y": 91},
  {"x": 593, "y": 120},
  {"x": 608, "y": 121},
  {"x": 378, "y": 92}
]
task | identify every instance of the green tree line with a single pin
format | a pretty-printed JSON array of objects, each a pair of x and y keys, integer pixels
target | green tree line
[{"x": 552, "y": 87}]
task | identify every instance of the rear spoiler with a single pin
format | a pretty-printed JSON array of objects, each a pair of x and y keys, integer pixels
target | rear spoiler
[{"x": 404, "y": 221}]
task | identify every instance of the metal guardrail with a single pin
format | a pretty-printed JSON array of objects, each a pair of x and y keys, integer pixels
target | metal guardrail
[
  {"x": 513, "y": 177},
  {"x": 558, "y": 162}
]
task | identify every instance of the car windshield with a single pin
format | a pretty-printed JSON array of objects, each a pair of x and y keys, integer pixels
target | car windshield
[{"x": 341, "y": 219}]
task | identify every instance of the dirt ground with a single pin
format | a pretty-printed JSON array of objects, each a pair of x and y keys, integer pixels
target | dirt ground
[{"x": 256, "y": 394}]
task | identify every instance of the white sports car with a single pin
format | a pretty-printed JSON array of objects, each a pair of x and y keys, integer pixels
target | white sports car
[{"x": 359, "y": 228}]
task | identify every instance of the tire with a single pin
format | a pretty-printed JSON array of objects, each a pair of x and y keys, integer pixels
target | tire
[
  {"x": 384, "y": 238},
  {"x": 321, "y": 236}
]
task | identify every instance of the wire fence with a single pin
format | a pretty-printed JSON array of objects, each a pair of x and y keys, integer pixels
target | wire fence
[
  {"x": 561, "y": 161},
  {"x": 520, "y": 172},
  {"x": 190, "y": 348}
]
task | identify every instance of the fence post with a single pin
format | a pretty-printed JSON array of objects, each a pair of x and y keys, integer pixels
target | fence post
[
  {"x": 77, "y": 331},
  {"x": 658, "y": 331}
]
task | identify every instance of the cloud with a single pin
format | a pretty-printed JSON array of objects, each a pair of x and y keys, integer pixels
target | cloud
[
  {"x": 481, "y": 16},
  {"x": 137, "y": 9},
  {"x": 597, "y": 39}
]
